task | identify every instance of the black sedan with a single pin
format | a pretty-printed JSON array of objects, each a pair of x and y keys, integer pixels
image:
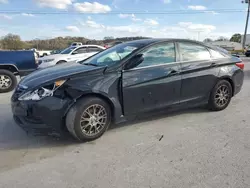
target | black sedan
[
  {"x": 126, "y": 80},
  {"x": 247, "y": 53}
]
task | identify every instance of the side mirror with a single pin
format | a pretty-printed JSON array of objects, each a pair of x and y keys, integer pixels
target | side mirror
[
  {"x": 134, "y": 61},
  {"x": 74, "y": 53}
]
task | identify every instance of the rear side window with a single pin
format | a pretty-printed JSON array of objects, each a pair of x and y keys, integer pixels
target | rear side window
[
  {"x": 94, "y": 49},
  {"x": 193, "y": 52},
  {"x": 81, "y": 50},
  {"x": 216, "y": 54}
]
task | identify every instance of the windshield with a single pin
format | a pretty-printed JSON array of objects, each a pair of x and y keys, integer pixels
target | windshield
[
  {"x": 112, "y": 55},
  {"x": 68, "y": 50}
]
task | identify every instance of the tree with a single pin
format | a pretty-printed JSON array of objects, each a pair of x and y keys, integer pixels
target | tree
[
  {"x": 236, "y": 38},
  {"x": 12, "y": 42},
  {"x": 108, "y": 38},
  {"x": 208, "y": 40},
  {"x": 222, "y": 39}
]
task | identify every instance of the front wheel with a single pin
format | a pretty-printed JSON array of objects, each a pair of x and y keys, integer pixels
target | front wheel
[
  {"x": 220, "y": 96},
  {"x": 88, "y": 119},
  {"x": 8, "y": 81}
]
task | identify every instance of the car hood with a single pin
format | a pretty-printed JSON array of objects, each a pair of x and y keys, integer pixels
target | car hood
[
  {"x": 54, "y": 73},
  {"x": 54, "y": 56}
]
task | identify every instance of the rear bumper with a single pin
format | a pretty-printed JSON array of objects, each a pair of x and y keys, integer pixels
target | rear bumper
[{"x": 238, "y": 79}]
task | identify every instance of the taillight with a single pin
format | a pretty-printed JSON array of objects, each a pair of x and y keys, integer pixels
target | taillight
[{"x": 241, "y": 65}]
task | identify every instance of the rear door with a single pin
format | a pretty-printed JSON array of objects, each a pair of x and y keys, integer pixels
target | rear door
[
  {"x": 93, "y": 50},
  {"x": 198, "y": 70},
  {"x": 154, "y": 83}
]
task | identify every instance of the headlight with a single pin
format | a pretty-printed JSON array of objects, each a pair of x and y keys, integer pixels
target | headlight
[
  {"x": 42, "y": 92},
  {"x": 48, "y": 60}
]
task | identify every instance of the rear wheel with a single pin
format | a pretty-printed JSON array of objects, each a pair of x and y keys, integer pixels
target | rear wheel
[
  {"x": 220, "y": 96},
  {"x": 8, "y": 81},
  {"x": 88, "y": 119}
]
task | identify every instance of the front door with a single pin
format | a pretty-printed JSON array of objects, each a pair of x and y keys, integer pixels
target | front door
[{"x": 155, "y": 82}]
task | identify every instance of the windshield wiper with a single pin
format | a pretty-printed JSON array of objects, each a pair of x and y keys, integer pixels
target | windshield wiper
[{"x": 92, "y": 64}]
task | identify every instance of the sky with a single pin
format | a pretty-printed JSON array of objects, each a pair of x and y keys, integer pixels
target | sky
[{"x": 96, "y": 19}]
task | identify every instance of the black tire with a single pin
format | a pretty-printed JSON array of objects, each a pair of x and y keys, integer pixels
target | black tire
[
  {"x": 13, "y": 80},
  {"x": 60, "y": 62},
  {"x": 214, "y": 103},
  {"x": 73, "y": 118}
]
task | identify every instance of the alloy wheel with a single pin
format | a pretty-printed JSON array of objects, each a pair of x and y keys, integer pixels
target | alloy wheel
[
  {"x": 222, "y": 95},
  {"x": 93, "y": 120},
  {"x": 5, "y": 82}
]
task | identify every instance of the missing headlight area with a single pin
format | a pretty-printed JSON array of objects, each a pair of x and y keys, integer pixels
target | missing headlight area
[{"x": 42, "y": 92}]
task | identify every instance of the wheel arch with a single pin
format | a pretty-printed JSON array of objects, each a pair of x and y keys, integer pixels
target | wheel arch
[
  {"x": 230, "y": 80},
  {"x": 98, "y": 95},
  {"x": 103, "y": 97},
  {"x": 60, "y": 60},
  {"x": 10, "y": 67}
]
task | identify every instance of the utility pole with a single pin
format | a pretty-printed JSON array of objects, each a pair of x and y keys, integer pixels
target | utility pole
[
  {"x": 199, "y": 35},
  {"x": 245, "y": 33}
]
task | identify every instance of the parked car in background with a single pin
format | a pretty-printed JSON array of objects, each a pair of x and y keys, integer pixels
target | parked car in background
[
  {"x": 76, "y": 44},
  {"x": 73, "y": 53},
  {"x": 112, "y": 44},
  {"x": 223, "y": 50},
  {"x": 14, "y": 63},
  {"x": 55, "y": 52},
  {"x": 126, "y": 80},
  {"x": 247, "y": 53},
  {"x": 42, "y": 53}
]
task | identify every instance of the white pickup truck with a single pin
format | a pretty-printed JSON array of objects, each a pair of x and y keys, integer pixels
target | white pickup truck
[{"x": 42, "y": 53}]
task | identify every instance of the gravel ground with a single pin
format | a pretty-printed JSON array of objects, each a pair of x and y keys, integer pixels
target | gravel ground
[{"x": 188, "y": 148}]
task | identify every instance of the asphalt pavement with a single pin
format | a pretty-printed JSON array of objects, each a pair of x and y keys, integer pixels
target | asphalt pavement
[{"x": 189, "y": 148}]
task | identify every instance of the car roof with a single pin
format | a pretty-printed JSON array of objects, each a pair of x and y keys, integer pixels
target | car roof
[
  {"x": 146, "y": 42},
  {"x": 156, "y": 40},
  {"x": 89, "y": 45}
]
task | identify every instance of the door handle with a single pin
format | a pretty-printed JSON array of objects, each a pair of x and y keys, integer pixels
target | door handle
[
  {"x": 173, "y": 71},
  {"x": 213, "y": 65}
]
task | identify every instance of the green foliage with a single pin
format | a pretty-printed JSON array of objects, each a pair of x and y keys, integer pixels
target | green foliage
[
  {"x": 222, "y": 39},
  {"x": 236, "y": 38},
  {"x": 14, "y": 42},
  {"x": 208, "y": 40}
]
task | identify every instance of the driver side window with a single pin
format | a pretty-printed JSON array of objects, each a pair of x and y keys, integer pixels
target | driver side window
[{"x": 158, "y": 54}]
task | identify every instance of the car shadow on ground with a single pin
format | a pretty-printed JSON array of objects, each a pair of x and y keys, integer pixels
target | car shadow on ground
[
  {"x": 160, "y": 114},
  {"x": 22, "y": 140}
]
